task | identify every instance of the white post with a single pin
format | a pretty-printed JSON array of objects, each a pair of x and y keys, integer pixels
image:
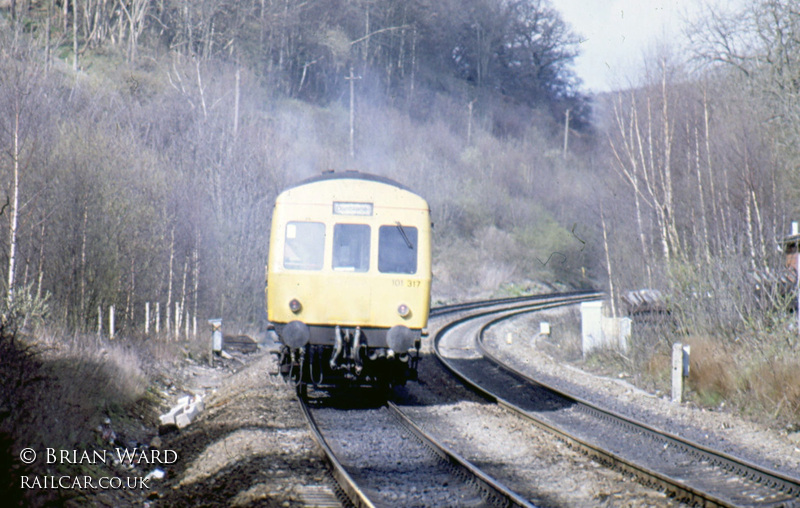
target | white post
[
  {"x": 146, "y": 318},
  {"x": 177, "y": 320},
  {"x": 591, "y": 326},
  {"x": 158, "y": 317},
  {"x": 544, "y": 328},
  {"x": 111, "y": 322},
  {"x": 677, "y": 372}
]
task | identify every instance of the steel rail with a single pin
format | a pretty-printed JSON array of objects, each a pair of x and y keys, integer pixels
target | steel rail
[
  {"x": 346, "y": 483},
  {"x": 478, "y": 304},
  {"x": 730, "y": 464},
  {"x": 490, "y": 486},
  {"x": 682, "y": 491},
  {"x": 494, "y": 492}
]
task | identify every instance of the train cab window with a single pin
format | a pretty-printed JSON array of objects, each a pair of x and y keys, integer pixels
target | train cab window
[
  {"x": 397, "y": 249},
  {"x": 351, "y": 247},
  {"x": 305, "y": 246}
]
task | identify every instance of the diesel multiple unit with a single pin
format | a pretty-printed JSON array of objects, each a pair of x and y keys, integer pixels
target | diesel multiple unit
[{"x": 348, "y": 280}]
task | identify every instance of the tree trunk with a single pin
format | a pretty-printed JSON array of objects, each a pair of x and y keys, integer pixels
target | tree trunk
[
  {"x": 83, "y": 261},
  {"x": 608, "y": 265},
  {"x": 12, "y": 245},
  {"x": 74, "y": 34},
  {"x": 196, "y": 279},
  {"x": 701, "y": 197},
  {"x": 168, "y": 322},
  {"x": 41, "y": 264},
  {"x": 710, "y": 168}
]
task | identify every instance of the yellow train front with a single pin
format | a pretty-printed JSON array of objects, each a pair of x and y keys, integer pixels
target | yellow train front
[{"x": 348, "y": 280}]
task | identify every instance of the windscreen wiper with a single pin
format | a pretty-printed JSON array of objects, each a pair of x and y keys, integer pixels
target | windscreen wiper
[{"x": 405, "y": 237}]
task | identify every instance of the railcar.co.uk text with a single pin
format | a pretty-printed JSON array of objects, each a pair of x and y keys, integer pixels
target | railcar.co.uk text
[{"x": 53, "y": 456}]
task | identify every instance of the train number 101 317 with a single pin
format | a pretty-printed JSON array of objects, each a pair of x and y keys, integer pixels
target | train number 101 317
[{"x": 406, "y": 283}]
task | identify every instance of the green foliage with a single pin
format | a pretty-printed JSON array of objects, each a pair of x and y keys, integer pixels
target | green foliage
[
  {"x": 514, "y": 289},
  {"x": 549, "y": 249}
]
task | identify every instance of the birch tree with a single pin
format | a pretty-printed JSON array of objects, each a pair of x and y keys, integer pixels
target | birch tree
[
  {"x": 642, "y": 144},
  {"x": 20, "y": 104}
]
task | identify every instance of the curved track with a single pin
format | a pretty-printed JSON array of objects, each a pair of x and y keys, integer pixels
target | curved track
[
  {"x": 687, "y": 471},
  {"x": 379, "y": 457}
]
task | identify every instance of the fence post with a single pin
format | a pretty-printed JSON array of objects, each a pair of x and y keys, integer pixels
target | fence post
[
  {"x": 216, "y": 338},
  {"x": 111, "y": 322},
  {"x": 177, "y": 323}
]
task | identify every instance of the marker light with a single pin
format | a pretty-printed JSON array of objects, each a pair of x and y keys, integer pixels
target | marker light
[
  {"x": 403, "y": 310},
  {"x": 295, "y": 305}
]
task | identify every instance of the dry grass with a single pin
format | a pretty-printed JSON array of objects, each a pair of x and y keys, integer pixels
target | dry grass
[
  {"x": 79, "y": 383},
  {"x": 757, "y": 376},
  {"x": 656, "y": 372},
  {"x": 711, "y": 373},
  {"x": 774, "y": 387},
  {"x": 58, "y": 389},
  {"x": 755, "y": 383}
]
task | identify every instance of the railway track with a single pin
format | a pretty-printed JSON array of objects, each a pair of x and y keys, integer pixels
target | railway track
[
  {"x": 687, "y": 471},
  {"x": 380, "y": 457}
]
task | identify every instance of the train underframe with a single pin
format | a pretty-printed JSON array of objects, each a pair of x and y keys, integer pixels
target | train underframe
[{"x": 338, "y": 356}]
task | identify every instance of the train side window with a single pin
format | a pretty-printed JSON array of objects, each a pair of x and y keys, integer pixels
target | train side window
[
  {"x": 305, "y": 246},
  {"x": 351, "y": 247},
  {"x": 397, "y": 249}
]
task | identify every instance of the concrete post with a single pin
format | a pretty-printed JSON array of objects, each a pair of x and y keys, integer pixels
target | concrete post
[
  {"x": 216, "y": 338},
  {"x": 591, "y": 326},
  {"x": 111, "y": 322},
  {"x": 680, "y": 369},
  {"x": 177, "y": 320},
  {"x": 544, "y": 328}
]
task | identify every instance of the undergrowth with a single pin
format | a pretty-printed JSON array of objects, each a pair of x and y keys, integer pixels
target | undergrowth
[{"x": 61, "y": 391}]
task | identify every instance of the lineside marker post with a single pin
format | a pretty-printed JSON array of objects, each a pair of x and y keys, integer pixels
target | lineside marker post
[
  {"x": 677, "y": 372},
  {"x": 216, "y": 339},
  {"x": 111, "y": 322},
  {"x": 680, "y": 370}
]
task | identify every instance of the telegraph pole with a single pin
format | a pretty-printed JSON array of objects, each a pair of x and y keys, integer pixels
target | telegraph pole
[{"x": 352, "y": 79}]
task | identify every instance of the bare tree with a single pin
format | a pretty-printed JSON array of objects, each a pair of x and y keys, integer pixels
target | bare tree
[{"x": 19, "y": 99}]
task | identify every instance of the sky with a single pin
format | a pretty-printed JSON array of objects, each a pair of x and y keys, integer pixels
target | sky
[{"x": 617, "y": 34}]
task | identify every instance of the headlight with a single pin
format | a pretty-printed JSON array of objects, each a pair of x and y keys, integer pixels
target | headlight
[
  {"x": 295, "y": 305},
  {"x": 403, "y": 310}
]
